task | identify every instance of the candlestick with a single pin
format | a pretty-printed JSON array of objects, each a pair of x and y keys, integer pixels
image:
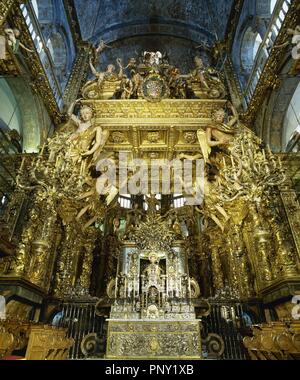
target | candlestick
[
  {"x": 269, "y": 150},
  {"x": 224, "y": 162},
  {"x": 232, "y": 161},
  {"x": 22, "y": 164}
]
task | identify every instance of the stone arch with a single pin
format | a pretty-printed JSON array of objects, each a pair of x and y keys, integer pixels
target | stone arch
[
  {"x": 270, "y": 126},
  {"x": 291, "y": 123},
  {"x": 248, "y": 45},
  {"x": 27, "y": 116},
  {"x": 57, "y": 44}
]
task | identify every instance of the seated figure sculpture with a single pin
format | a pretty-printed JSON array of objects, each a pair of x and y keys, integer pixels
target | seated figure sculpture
[{"x": 205, "y": 81}]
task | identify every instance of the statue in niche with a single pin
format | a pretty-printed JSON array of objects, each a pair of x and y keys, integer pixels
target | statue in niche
[
  {"x": 134, "y": 264},
  {"x": 12, "y": 39},
  {"x": 153, "y": 271}
]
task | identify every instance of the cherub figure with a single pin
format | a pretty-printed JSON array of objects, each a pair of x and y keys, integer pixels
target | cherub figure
[
  {"x": 101, "y": 47},
  {"x": 12, "y": 38}
]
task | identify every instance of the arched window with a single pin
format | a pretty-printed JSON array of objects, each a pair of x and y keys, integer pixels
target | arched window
[
  {"x": 257, "y": 43},
  {"x": 10, "y": 116},
  {"x": 58, "y": 51},
  {"x": 249, "y": 48},
  {"x": 2, "y": 308},
  {"x": 43, "y": 10},
  {"x": 57, "y": 319},
  {"x": 291, "y": 125},
  {"x": 272, "y": 5}
]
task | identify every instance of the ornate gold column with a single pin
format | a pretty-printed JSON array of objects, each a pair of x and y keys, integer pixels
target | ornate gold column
[
  {"x": 89, "y": 245},
  {"x": 262, "y": 238},
  {"x": 69, "y": 252},
  {"x": 292, "y": 208},
  {"x": 241, "y": 275},
  {"x": 23, "y": 253},
  {"x": 218, "y": 275},
  {"x": 43, "y": 247},
  {"x": 233, "y": 270},
  {"x": 285, "y": 258}
]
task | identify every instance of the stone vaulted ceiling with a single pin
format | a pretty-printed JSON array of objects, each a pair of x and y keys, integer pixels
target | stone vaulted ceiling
[{"x": 113, "y": 20}]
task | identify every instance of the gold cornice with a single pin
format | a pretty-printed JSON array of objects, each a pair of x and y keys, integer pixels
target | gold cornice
[{"x": 147, "y": 113}]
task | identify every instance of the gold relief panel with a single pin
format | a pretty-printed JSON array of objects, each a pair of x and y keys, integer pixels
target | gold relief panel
[
  {"x": 190, "y": 137},
  {"x": 139, "y": 110},
  {"x": 153, "y": 139},
  {"x": 118, "y": 137}
]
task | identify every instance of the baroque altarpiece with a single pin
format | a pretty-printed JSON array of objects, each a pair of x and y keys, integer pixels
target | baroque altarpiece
[{"x": 153, "y": 280}]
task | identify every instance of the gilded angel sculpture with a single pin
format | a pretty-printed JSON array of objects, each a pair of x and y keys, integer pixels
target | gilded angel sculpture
[{"x": 87, "y": 140}]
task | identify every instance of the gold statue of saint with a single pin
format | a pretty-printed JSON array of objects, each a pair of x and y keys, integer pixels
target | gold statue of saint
[{"x": 153, "y": 271}]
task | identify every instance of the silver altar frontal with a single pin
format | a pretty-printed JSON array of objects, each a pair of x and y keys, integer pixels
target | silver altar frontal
[{"x": 157, "y": 339}]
